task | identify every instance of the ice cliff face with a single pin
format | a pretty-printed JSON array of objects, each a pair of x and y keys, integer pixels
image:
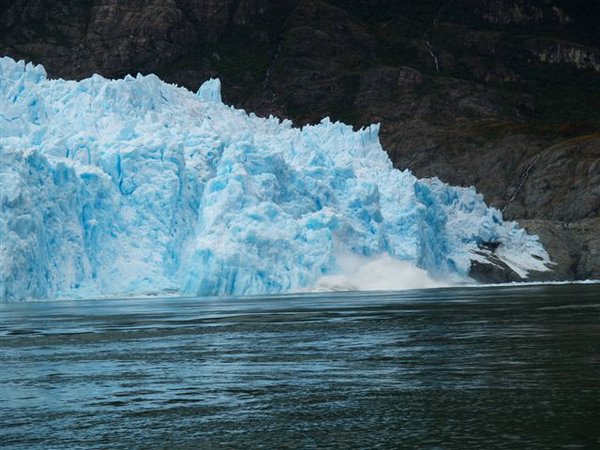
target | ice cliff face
[{"x": 135, "y": 186}]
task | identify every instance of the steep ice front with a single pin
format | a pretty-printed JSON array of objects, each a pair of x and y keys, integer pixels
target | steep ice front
[{"x": 135, "y": 186}]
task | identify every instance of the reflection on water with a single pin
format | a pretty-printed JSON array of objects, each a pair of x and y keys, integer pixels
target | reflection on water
[{"x": 497, "y": 367}]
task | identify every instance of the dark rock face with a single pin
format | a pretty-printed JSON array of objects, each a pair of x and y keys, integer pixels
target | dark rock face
[
  {"x": 556, "y": 51},
  {"x": 494, "y": 271},
  {"x": 500, "y": 94},
  {"x": 574, "y": 246},
  {"x": 106, "y": 36}
]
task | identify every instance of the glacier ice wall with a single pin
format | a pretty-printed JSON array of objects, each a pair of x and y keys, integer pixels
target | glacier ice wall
[{"x": 135, "y": 186}]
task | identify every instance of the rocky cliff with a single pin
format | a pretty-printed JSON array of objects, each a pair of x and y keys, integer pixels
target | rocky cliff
[{"x": 500, "y": 94}]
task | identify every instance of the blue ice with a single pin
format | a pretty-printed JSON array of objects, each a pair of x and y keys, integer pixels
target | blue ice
[{"x": 135, "y": 187}]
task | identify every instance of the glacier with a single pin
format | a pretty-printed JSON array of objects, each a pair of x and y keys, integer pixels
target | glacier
[{"x": 135, "y": 187}]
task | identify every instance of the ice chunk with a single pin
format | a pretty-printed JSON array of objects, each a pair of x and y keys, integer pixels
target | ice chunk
[
  {"x": 210, "y": 91},
  {"x": 135, "y": 186}
]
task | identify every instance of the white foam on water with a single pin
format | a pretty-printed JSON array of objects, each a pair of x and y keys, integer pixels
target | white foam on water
[{"x": 379, "y": 273}]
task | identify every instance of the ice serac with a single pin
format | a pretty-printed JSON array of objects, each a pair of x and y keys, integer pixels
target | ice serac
[{"x": 135, "y": 187}]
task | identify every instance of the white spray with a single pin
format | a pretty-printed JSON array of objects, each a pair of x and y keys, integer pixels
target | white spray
[{"x": 378, "y": 273}]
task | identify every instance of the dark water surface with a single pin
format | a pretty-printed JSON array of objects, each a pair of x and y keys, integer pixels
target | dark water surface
[{"x": 498, "y": 367}]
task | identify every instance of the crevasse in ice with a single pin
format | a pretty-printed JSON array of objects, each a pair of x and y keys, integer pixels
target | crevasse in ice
[{"x": 135, "y": 186}]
